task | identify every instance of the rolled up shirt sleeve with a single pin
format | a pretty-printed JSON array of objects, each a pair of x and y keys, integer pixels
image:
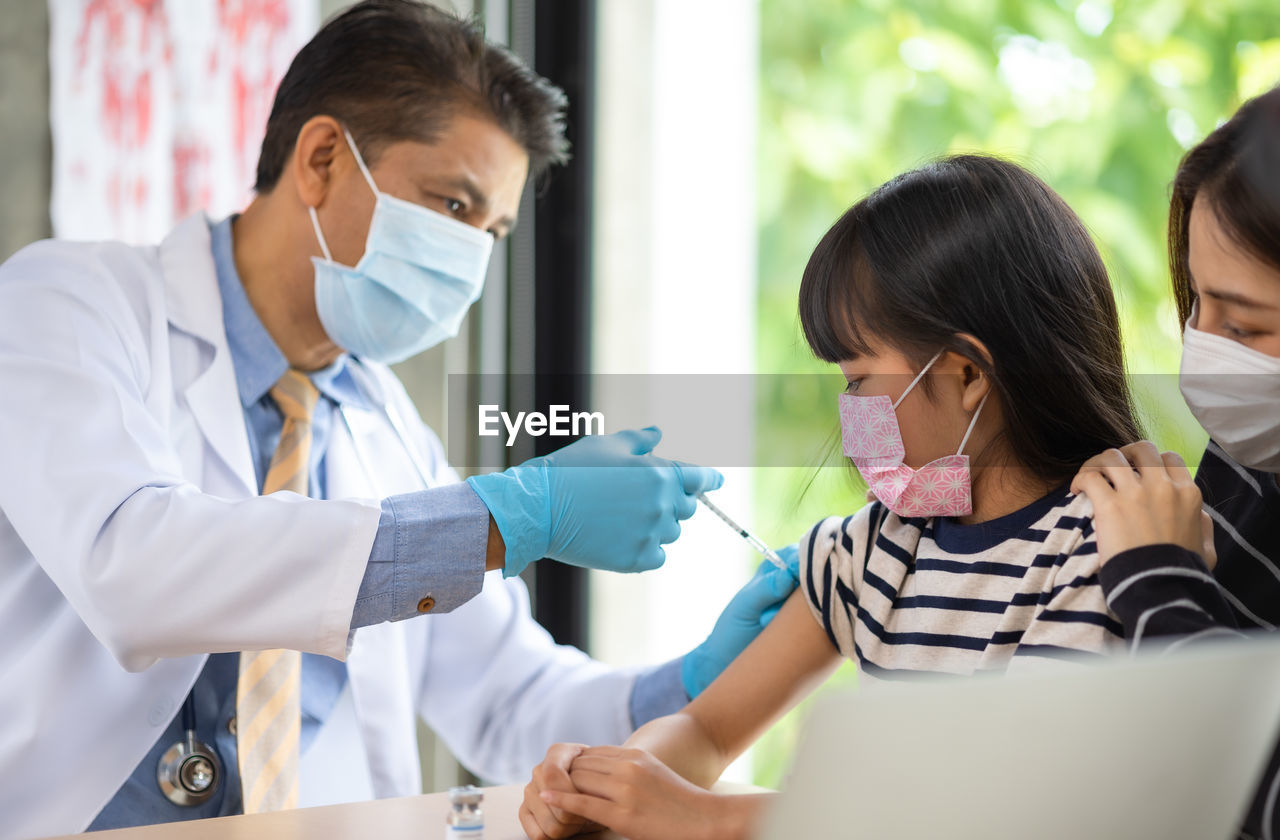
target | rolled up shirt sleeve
[
  {"x": 428, "y": 555},
  {"x": 658, "y": 691}
]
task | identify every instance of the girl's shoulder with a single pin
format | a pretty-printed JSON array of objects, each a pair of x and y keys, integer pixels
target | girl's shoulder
[
  {"x": 835, "y": 533},
  {"x": 833, "y": 554},
  {"x": 1075, "y": 504},
  {"x": 1069, "y": 550},
  {"x": 841, "y": 545},
  {"x": 1071, "y": 519}
]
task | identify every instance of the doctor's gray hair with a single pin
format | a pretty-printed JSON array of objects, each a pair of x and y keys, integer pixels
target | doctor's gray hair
[{"x": 397, "y": 70}]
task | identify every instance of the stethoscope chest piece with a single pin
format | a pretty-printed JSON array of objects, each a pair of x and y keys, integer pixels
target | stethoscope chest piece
[{"x": 188, "y": 772}]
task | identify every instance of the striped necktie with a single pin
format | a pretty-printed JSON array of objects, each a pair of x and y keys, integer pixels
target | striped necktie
[{"x": 267, "y": 693}]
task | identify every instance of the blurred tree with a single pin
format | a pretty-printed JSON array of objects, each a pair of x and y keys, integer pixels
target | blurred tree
[{"x": 1099, "y": 98}]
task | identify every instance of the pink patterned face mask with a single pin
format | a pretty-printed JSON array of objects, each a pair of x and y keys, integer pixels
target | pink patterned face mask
[{"x": 872, "y": 440}]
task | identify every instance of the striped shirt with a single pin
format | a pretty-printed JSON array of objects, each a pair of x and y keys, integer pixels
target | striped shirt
[
  {"x": 902, "y": 595},
  {"x": 1244, "y": 505},
  {"x": 1166, "y": 598}
]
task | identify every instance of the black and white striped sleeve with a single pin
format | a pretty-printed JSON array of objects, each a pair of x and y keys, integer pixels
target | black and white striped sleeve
[
  {"x": 1165, "y": 591},
  {"x": 832, "y": 557},
  {"x": 1166, "y": 598}
]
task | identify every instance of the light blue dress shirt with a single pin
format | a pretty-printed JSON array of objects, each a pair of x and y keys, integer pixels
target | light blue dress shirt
[{"x": 452, "y": 520}]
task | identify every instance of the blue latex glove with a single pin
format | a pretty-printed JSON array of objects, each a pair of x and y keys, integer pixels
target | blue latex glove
[
  {"x": 602, "y": 502},
  {"x": 749, "y": 612}
]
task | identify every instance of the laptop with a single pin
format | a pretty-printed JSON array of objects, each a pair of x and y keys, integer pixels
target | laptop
[{"x": 1168, "y": 747}]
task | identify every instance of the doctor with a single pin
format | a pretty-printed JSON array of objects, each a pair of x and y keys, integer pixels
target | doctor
[{"x": 206, "y": 468}]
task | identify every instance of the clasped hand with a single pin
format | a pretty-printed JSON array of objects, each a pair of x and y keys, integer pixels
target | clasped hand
[{"x": 579, "y": 789}]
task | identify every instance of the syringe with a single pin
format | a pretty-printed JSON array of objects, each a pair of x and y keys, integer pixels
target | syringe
[{"x": 756, "y": 543}]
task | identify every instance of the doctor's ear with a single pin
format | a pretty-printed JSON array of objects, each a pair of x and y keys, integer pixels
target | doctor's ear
[
  {"x": 976, "y": 383},
  {"x": 319, "y": 144}
]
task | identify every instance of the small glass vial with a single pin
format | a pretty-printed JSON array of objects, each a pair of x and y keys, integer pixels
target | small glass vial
[{"x": 466, "y": 820}]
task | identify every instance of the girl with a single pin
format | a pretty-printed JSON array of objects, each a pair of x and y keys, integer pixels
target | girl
[
  {"x": 1224, "y": 254},
  {"x": 974, "y": 322}
]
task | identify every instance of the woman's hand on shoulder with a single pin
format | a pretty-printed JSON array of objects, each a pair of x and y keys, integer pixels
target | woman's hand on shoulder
[
  {"x": 1142, "y": 496},
  {"x": 636, "y": 795}
]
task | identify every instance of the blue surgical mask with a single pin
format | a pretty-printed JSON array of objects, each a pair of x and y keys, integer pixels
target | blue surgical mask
[{"x": 420, "y": 273}]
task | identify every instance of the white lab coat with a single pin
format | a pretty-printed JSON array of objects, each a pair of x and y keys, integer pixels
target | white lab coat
[{"x": 133, "y": 543}]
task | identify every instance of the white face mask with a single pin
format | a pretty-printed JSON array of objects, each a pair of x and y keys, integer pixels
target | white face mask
[
  {"x": 1234, "y": 392},
  {"x": 420, "y": 273}
]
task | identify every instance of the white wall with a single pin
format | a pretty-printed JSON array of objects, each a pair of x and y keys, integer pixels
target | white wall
[{"x": 675, "y": 276}]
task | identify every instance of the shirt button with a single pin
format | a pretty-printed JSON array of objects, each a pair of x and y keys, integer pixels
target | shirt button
[
  {"x": 231, "y": 725},
  {"x": 427, "y": 604}
]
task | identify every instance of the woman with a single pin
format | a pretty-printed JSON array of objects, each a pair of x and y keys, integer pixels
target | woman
[{"x": 1224, "y": 254}]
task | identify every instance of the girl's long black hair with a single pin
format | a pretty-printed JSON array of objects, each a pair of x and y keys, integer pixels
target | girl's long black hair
[{"x": 978, "y": 245}]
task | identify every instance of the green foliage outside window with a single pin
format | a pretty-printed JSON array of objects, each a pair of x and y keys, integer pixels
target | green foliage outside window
[{"x": 1100, "y": 99}]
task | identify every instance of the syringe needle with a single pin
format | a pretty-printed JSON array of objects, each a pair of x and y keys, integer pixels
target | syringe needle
[{"x": 754, "y": 541}]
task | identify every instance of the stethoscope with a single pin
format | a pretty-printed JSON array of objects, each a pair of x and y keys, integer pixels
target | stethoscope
[{"x": 189, "y": 772}]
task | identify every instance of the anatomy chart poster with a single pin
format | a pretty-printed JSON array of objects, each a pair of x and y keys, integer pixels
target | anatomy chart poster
[{"x": 159, "y": 106}]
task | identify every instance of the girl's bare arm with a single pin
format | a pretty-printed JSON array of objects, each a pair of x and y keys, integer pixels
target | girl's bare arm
[
  {"x": 654, "y": 786},
  {"x": 786, "y": 662}
]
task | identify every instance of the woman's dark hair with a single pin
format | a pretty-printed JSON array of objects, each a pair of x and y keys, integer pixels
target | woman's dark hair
[
  {"x": 1236, "y": 169},
  {"x": 976, "y": 245},
  {"x": 400, "y": 70}
]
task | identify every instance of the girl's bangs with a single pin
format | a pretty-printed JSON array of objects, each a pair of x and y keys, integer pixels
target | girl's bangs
[{"x": 837, "y": 295}]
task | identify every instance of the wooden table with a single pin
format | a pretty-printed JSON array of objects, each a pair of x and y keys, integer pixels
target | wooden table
[{"x": 407, "y": 818}]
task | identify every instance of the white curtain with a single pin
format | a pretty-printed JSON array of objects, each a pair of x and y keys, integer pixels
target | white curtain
[{"x": 159, "y": 106}]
